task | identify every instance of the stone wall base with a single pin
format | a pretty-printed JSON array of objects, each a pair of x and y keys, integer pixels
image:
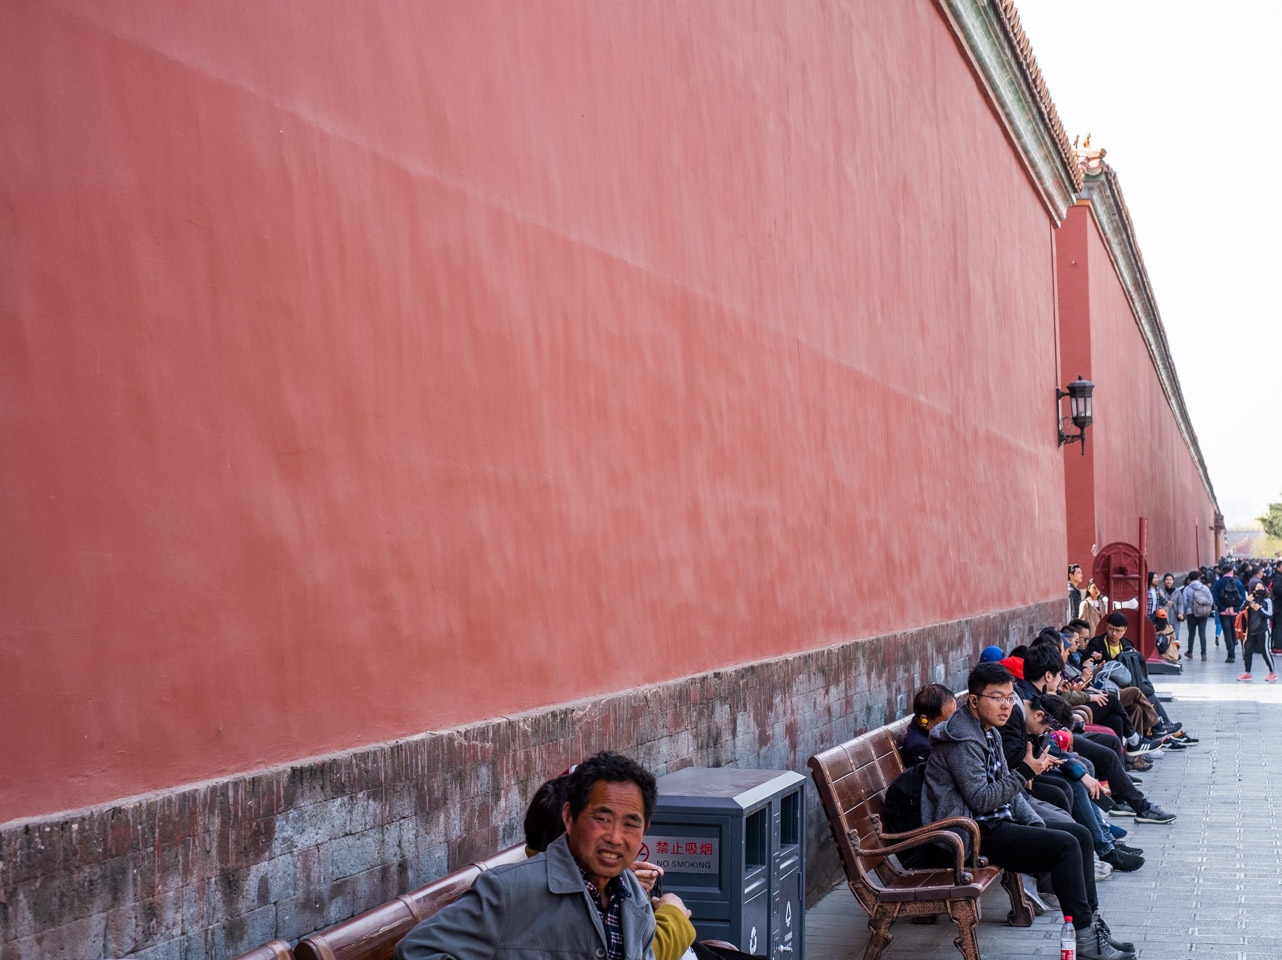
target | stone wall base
[{"x": 207, "y": 871}]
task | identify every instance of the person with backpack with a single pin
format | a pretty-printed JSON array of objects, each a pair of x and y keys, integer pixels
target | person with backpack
[
  {"x": 1229, "y": 597},
  {"x": 1258, "y": 610},
  {"x": 1195, "y": 605},
  {"x": 1275, "y": 590}
]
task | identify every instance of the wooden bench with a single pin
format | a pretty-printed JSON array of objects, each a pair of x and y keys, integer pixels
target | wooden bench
[
  {"x": 271, "y": 950},
  {"x": 852, "y": 778},
  {"x": 373, "y": 935}
]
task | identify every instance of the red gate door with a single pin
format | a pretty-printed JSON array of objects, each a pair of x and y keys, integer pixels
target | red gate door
[{"x": 1121, "y": 572}]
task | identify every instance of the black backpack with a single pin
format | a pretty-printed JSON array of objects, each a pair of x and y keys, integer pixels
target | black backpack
[
  {"x": 1231, "y": 595},
  {"x": 901, "y": 812}
]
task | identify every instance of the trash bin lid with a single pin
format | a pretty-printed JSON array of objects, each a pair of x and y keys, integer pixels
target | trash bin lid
[{"x": 745, "y": 788}]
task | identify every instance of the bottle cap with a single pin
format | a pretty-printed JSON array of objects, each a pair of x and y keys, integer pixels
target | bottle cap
[{"x": 1068, "y": 919}]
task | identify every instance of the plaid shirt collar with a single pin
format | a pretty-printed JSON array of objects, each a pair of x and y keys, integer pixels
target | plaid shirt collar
[
  {"x": 616, "y": 892},
  {"x": 993, "y": 768}
]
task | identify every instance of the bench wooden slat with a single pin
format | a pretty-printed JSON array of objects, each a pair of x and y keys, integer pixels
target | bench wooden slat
[{"x": 374, "y": 934}]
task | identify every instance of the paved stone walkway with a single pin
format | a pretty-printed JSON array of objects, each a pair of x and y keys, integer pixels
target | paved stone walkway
[{"x": 1212, "y": 886}]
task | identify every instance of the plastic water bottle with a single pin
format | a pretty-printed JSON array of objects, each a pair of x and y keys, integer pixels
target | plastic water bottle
[{"x": 1067, "y": 940}]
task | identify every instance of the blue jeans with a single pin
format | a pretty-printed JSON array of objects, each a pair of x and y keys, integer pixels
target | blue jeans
[{"x": 1085, "y": 813}]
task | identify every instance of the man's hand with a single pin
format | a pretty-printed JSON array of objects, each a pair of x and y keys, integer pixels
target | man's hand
[
  {"x": 1092, "y": 786},
  {"x": 1097, "y": 656},
  {"x": 1179, "y": 616},
  {"x": 671, "y": 900},
  {"x": 1037, "y": 764},
  {"x": 647, "y": 873},
  {"x": 1088, "y": 671},
  {"x": 1101, "y": 699}
]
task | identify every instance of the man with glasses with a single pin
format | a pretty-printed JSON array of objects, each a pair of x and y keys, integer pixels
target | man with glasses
[{"x": 967, "y": 776}]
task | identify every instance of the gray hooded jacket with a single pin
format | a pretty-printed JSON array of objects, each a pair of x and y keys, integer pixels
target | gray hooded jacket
[{"x": 957, "y": 775}]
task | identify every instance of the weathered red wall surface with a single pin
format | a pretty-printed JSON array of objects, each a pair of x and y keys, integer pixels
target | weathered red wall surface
[
  {"x": 1137, "y": 463},
  {"x": 372, "y": 368}
]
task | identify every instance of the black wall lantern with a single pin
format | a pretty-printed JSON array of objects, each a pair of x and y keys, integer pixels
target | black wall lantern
[{"x": 1080, "y": 411}]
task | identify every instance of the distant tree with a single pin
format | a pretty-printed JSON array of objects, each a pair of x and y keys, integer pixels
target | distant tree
[{"x": 1271, "y": 521}]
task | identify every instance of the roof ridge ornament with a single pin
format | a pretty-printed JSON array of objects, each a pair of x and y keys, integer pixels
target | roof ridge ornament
[{"x": 1091, "y": 160}]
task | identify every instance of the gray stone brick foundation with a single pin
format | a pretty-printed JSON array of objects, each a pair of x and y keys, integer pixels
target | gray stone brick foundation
[{"x": 210, "y": 870}]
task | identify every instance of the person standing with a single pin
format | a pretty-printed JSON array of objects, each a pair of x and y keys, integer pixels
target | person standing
[
  {"x": 1195, "y": 605},
  {"x": 1229, "y": 597},
  {"x": 1167, "y": 598},
  {"x": 1074, "y": 589},
  {"x": 1275, "y": 590},
  {"x": 1093, "y": 607},
  {"x": 1259, "y": 608}
]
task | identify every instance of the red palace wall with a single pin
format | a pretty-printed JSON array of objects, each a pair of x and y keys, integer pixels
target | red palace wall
[
  {"x": 1137, "y": 463},
  {"x": 376, "y": 368}
]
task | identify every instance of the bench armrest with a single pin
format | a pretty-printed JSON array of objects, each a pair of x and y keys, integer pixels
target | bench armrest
[
  {"x": 960, "y": 823},
  {"x": 921, "y": 838}
]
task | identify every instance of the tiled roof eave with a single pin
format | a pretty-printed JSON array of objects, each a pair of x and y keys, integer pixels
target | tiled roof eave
[{"x": 1001, "y": 56}]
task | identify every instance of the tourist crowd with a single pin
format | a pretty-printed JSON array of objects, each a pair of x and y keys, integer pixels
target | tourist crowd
[{"x": 1045, "y": 750}]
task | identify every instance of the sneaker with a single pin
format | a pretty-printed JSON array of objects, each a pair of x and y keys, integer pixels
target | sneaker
[
  {"x": 1175, "y": 745},
  {"x": 1127, "y": 848},
  {"x": 1231, "y": 660},
  {"x": 1102, "y": 870},
  {"x": 1136, "y": 781},
  {"x": 1271, "y": 678},
  {"x": 1117, "y": 831},
  {"x": 1167, "y": 729},
  {"x": 1123, "y": 861},
  {"x": 1146, "y": 745},
  {"x": 1153, "y": 814},
  {"x": 1189, "y": 655},
  {"x": 1185, "y": 738},
  {"x": 1093, "y": 944},
  {"x": 1245, "y": 678},
  {"x": 1204, "y": 658},
  {"x": 1122, "y": 809}
]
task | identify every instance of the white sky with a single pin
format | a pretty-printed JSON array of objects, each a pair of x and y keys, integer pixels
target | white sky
[{"x": 1185, "y": 98}]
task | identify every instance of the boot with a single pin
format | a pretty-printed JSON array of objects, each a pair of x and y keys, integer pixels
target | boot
[
  {"x": 1124, "y": 945},
  {"x": 1093, "y": 944}
]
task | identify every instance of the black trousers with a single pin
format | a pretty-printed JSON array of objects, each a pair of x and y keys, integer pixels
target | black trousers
[
  {"x": 1113, "y": 715},
  {"x": 1107, "y": 740},
  {"x": 1052, "y": 788},
  {"x": 1064, "y": 850},
  {"x": 1196, "y": 625},
  {"x": 1109, "y": 767},
  {"x": 1230, "y": 638},
  {"x": 1256, "y": 643}
]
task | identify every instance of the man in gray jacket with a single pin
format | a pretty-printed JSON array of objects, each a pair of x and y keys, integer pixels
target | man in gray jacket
[
  {"x": 577, "y": 900},
  {"x": 967, "y": 776}
]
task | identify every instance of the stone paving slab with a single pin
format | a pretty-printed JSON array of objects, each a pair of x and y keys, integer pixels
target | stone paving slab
[{"x": 1212, "y": 884}]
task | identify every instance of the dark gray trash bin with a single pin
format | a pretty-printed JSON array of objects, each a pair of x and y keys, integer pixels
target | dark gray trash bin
[{"x": 732, "y": 846}]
